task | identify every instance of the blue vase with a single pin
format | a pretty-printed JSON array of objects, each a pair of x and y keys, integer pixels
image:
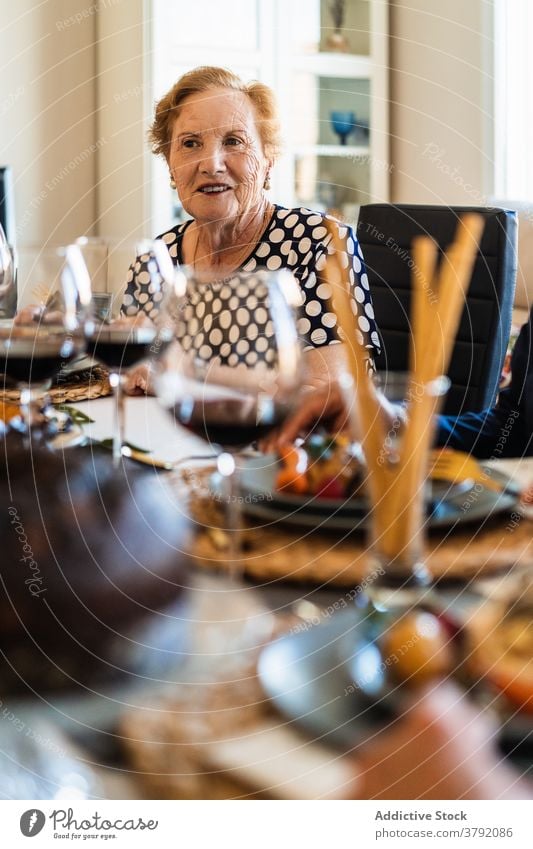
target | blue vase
[{"x": 342, "y": 123}]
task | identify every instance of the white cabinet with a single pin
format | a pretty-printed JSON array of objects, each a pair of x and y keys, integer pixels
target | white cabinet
[{"x": 333, "y": 102}]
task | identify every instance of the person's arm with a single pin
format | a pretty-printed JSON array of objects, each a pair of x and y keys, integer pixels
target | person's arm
[
  {"x": 328, "y": 408},
  {"x": 131, "y": 305},
  {"x": 351, "y": 261},
  {"x": 505, "y": 430},
  {"x": 322, "y": 403},
  {"x": 317, "y": 321}
]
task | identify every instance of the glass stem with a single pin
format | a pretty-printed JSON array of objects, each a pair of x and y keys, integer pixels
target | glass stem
[
  {"x": 31, "y": 398},
  {"x": 115, "y": 380},
  {"x": 228, "y": 472}
]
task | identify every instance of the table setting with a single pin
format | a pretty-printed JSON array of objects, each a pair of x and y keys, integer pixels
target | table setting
[{"x": 302, "y": 563}]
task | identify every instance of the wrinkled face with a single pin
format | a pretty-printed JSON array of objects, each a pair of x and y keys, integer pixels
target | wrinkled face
[{"x": 216, "y": 156}]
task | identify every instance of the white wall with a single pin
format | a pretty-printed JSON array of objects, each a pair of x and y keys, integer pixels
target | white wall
[
  {"x": 124, "y": 112},
  {"x": 441, "y": 133},
  {"x": 47, "y": 115},
  {"x": 59, "y": 59}
]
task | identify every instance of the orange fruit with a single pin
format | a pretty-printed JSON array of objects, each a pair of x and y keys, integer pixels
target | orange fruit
[
  {"x": 8, "y": 411},
  {"x": 417, "y": 648}
]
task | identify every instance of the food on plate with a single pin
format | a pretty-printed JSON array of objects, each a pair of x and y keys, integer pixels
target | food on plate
[
  {"x": 8, "y": 411},
  {"x": 324, "y": 466},
  {"x": 502, "y": 652},
  {"x": 417, "y": 647}
]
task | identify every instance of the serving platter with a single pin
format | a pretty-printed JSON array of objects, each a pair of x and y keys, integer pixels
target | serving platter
[{"x": 449, "y": 504}]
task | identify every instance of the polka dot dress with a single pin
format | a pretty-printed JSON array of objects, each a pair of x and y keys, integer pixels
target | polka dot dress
[
  {"x": 234, "y": 324},
  {"x": 231, "y": 320}
]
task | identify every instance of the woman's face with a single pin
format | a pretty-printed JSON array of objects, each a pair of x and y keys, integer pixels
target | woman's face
[{"x": 216, "y": 155}]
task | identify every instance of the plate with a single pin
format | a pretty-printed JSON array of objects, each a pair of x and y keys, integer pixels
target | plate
[
  {"x": 446, "y": 508},
  {"x": 70, "y": 438},
  {"x": 80, "y": 364},
  {"x": 306, "y": 675}
]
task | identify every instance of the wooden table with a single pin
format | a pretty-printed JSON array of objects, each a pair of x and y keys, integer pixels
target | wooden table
[
  {"x": 217, "y": 736},
  {"x": 275, "y": 550}
]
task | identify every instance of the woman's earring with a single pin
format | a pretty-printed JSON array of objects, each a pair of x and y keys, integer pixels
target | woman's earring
[
  {"x": 266, "y": 184},
  {"x": 172, "y": 183}
]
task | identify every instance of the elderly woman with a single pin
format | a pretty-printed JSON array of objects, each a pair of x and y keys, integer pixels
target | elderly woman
[{"x": 220, "y": 139}]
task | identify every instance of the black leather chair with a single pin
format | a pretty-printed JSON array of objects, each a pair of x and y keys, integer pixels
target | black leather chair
[{"x": 385, "y": 233}]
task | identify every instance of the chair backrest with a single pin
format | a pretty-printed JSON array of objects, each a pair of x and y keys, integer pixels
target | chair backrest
[
  {"x": 7, "y": 213},
  {"x": 523, "y": 296},
  {"x": 385, "y": 233}
]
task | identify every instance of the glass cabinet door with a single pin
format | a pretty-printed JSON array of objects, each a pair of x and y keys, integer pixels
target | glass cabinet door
[
  {"x": 335, "y": 105},
  {"x": 330, "y": 132}
]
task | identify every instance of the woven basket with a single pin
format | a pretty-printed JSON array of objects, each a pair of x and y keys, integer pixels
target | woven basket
[{"x": 80, "y": 386}]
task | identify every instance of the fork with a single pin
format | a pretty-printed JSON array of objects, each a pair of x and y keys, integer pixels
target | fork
[{"x": 456, "y": 466}]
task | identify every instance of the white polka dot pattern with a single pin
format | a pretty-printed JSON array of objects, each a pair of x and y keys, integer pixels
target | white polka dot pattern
[{"x": 233, "y": 324}]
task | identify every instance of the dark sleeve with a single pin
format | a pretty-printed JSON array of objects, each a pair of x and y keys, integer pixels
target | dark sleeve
[{"x": 506, "y": 429}]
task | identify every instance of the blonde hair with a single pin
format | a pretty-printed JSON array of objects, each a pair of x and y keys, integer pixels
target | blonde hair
[{"x": 202, "y": 79}]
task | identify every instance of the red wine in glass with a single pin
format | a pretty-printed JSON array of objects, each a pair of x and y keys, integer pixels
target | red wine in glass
[
  {"x": 232, "y": 423},
  {"x": 38, "y": 359},
  {"x": 122, "y": 349},
  {"x": 235, "y": 371},
  {"x": 44, "y": 338},
  {"x": 122, "y": 344}
]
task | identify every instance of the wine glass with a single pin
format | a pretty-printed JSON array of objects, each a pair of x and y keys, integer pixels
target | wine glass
[
  {"x": 343, "y": 123},
  {"x": 8, "y": 279},
  {"x": 233, "y": 373},
  {"x": 123, "y": 343},
  {"x": 43, "y": 339}
]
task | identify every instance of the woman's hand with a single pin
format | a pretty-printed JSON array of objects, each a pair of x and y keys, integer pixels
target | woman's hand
[
  {"x": 138, "y": 381},
  {"x": 324, "y": 406},
  {"x": 35, "y": 314},
  {"x": 125, "y": 322},
  {"x": 29, "y": 314},
  {"x": 332, "y": 408}
]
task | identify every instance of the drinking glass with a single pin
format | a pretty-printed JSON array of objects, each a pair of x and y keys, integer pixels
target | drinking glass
[
  {"x": 234, "y": 370},
  {"x": 43, "y": 339},
  {"x": 123, "y": 343}
]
